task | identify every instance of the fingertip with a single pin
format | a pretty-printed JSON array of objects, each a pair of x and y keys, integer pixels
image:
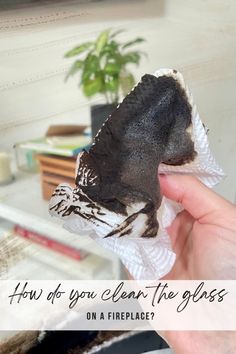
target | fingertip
[
  {"x": 162, "y": 179},
  {"x": 194, "y": 196},
  {"x": 170, "y": 186}
]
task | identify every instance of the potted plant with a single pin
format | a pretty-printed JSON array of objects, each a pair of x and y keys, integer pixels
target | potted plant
[{"x": 103, "y": 67}]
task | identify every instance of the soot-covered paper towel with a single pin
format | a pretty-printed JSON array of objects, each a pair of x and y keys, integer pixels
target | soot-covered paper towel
[{"x": 145, "y": 258}]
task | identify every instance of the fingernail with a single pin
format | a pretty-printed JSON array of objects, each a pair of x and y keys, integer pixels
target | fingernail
[{"x": 162, "y": 175}]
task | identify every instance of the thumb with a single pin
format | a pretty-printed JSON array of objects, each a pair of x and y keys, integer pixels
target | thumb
[{"x": 194, "y": 196}]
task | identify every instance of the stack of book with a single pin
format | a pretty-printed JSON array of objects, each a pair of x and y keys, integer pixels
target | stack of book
[
  {"x": 56, "y": 154},
  {"x": 25, "y": 254},
  {"x": 49, "y": 243},
  {"x": 67, "y": 146}
]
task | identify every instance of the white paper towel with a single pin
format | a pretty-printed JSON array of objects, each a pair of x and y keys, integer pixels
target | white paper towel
[{"x": 152, "y": 258}]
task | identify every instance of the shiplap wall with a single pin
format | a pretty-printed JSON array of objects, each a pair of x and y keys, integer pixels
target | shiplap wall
[{"x": 195, "y": 37}]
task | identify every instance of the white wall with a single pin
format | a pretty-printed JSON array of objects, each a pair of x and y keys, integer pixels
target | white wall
[{"x": 195, "y": 37}]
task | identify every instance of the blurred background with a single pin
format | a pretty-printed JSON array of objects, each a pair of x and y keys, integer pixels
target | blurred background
[
  {"x": 40, "y": 42},
  {"x": 195, "y": 37}
]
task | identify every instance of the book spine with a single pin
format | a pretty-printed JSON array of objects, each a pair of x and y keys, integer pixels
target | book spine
[
  {"x": 49, "y": 243},
  {"x": 47, "y": 149}
]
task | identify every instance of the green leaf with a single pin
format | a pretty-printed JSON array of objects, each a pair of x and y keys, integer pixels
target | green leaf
[
  {"x": 92, "y": 63},
  {"x": 112, "y": 84},
  {"x": 103, "y": 64},
  {"x": 85, "y": 76},
  {"x": 132, "y": 57},
  {"x": 101, "y": 41},
  {"x": 112, "y": 68},
  {"x": 91, "y": 67},
  {"x": 135, "y": 41},
  {"x": 78, "y": 64},
  {"x": 77, "y": 50},
  {"x": 109, "y": 48},
  {"x": 92, "y": 87},
  {"x": 127, "y": 82}
]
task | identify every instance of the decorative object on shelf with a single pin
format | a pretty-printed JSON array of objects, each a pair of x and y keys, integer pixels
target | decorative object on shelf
[
  {"x": 103, "y": 66},
  {"x": 25, "y": 158},
  {"x": 49, "y": 243},
  {"x": 5, "y": 169},
  {"x": 62, "y": 140},
  {"x": 55, "y": 169},
  {"x": 54, "y": 155}
]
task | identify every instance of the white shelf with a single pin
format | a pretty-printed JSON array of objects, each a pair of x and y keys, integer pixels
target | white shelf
[
  {"x": 21, "y": 203},
  {"x": 24, "y": 259}
]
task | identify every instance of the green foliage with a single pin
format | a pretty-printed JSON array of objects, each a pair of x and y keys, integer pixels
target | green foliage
[
  {"x": 80, "y": 49},
  {"x": 102, "y": 65}
]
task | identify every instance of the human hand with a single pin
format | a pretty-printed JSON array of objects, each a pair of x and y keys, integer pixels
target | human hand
[{"x": 203, "y": 237}]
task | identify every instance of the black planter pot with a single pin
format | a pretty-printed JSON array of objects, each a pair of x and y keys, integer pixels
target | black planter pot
[{"x": 99, "y": 114}]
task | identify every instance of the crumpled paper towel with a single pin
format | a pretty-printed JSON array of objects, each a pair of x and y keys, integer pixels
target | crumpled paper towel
[{"x": 148, "y": 259}]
